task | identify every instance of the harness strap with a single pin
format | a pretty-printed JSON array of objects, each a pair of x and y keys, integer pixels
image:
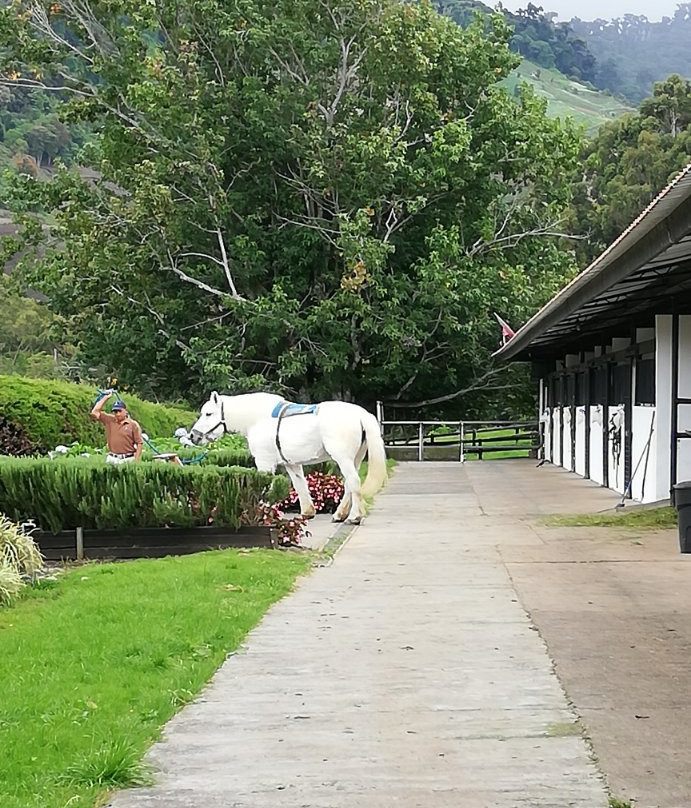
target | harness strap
[
  {"x": 281, "y": 414},
  {"x": 285, "y": 409}
]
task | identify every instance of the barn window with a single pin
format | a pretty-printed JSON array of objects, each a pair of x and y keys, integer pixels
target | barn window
[
  {"x": 580, "y": 389},
  {"x": 645, "y": 380},
  {"x": 620, "y": 383},
  {"x": 570, "y": 388},
  {"x": 598, "y": 385},
  {"x": 556, "y": 391}
]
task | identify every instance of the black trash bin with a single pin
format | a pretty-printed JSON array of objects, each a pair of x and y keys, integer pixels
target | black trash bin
[{"x": 682, "y": 502}]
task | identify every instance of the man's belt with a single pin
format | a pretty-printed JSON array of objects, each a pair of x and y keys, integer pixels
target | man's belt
[{"x": 121, "y": 456}]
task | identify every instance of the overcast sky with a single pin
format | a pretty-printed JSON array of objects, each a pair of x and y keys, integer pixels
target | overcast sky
[{"x": 601, "y": 9}]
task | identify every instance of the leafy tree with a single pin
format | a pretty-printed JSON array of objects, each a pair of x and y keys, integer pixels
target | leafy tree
[
  {"x": 630, "y": 162},
  {"x": 26, "y": 345},
  {"x": 328, "y": 197}
]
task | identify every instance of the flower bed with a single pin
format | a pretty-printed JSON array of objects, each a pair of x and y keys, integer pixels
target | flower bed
[{"x": 326, "y": 491}]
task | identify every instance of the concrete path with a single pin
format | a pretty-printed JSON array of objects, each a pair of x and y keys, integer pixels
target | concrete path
[{"x": 407, "y": 673}]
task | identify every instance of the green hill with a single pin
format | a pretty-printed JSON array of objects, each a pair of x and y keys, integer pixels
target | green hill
[{"x": 568, "y": 98}]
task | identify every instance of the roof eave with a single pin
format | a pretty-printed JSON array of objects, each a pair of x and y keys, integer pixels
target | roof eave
[{"x": 643, "y": 247}]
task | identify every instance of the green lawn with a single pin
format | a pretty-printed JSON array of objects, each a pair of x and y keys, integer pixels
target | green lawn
[
  {"x": 568, "y": 98},
  {"x": 94, "y": 664},
  {"x": 638, "y": 519},
  {"x": 441, "y": 450}
]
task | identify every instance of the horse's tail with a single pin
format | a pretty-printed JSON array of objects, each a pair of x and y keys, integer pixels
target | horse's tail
[{"x": 376, "y": 455}]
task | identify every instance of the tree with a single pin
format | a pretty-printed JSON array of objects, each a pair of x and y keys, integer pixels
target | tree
[
  {"x": 26, "y": 345},
  {"x": 629, "y": 162},
  {"x": 327, "y": 197}
]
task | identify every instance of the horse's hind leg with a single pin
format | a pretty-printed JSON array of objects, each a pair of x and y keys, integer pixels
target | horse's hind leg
[
  {"x": 344, "y": 505},
  {"x": 297, "y": 477},
  {"x": 352, "y": 489}
]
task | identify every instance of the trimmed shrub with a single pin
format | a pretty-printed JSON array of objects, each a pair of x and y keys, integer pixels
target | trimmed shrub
[
  {"x": 230, "y": 450},
  {"x": 14, "y": 440},
  {"x": 47, "y": 413},
  {"x": 73, "y": 492}
]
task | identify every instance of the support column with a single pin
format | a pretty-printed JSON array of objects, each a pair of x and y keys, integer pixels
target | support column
[{"x": 661, "y": 450}]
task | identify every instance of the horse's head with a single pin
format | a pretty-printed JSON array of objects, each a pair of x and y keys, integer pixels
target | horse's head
[{"x": 211, "y": 423}]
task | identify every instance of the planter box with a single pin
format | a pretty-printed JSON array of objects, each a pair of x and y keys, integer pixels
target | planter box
[{"x": 150, "y": 542}]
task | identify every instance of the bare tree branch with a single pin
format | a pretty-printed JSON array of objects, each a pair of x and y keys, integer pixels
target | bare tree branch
[{"x": 477, "y": 384}]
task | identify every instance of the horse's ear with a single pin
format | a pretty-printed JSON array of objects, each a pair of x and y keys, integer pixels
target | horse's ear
[{"x": 214, "y": 397}]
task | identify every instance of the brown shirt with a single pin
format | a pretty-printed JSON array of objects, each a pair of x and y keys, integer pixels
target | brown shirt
[{"x": 122, "y": 438}]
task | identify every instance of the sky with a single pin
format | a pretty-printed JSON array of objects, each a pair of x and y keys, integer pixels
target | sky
[{"x": 600, "y": 9}]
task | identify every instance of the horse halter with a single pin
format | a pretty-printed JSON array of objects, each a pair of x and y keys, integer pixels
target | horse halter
[{"x": 222, "y": 423}]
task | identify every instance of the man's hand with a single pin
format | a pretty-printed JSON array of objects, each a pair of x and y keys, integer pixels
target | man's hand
[{"x": 98, "y": 406}]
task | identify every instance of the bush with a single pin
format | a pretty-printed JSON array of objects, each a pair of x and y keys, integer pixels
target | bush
[
  {"x": 50, "y": 412},
  {"x": 19, "y": 558},
  {"x": 73, "y": 492},
  {"x": 229, "y": 451},
  {"x": 14, "y": 440}
]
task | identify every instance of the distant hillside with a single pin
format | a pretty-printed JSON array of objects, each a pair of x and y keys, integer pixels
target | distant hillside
[
  {"x": 633, "y": 53},
  {"x": 537, "y": 37},
  {"x": 567, "y": 97},
  {"x": 624, "y": 56}
]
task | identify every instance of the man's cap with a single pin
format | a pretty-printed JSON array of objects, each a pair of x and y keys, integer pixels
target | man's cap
[{"x": 119, "y": 405}]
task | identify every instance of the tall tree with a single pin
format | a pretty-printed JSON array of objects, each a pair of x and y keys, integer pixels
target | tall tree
[
  {"x": 325, "y": 196},
  {"x": 629, "y": 162}
]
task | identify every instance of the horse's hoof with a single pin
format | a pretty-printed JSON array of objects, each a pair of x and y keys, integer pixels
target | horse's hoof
[
  {"x": 353, "y": 521},
  {"x": 336, "y": 518},
  {"x": 308, "y": 515}
]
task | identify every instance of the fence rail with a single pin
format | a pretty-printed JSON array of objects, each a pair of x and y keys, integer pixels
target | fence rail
[{"x": 460, "y": 440}]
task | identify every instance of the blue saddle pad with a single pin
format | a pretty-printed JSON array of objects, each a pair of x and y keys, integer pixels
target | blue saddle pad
[{"x": 293, "y": 409}]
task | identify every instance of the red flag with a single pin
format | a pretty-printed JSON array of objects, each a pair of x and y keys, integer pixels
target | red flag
[{"x": 506, "y": 331}]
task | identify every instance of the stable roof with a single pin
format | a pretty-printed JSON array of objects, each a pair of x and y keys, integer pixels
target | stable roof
[{"x": 647, "y": 270}]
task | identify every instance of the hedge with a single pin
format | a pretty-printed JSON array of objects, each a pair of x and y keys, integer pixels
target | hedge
[
  {"x": 231, "y": 450},
  {"x": 78, "y": 492},
  {"x": 46, "y": 413}
]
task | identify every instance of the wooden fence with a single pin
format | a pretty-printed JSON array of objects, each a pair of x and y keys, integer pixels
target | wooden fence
[
  {"x": 153, "y": 542},
  {"x": 460, "y": 440}
]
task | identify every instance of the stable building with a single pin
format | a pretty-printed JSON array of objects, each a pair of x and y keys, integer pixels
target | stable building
[{"x": 612, "y": 354}]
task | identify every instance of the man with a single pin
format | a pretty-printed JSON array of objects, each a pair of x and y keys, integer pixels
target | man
[{"x": 123, "y": 434}]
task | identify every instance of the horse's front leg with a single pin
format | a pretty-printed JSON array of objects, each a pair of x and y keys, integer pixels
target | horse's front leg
[{"x": 297, "y": 477}]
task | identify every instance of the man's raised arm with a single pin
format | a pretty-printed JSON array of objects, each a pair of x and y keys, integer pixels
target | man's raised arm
[{"x": 98, "y": 406}]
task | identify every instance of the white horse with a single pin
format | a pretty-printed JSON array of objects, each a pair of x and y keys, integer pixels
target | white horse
[{"x": 295, "y": 435}]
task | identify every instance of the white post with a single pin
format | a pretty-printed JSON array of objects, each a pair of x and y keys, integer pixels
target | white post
[
  {"x": 420, "y": 441},
  {"x": 540, "y": 426},
  {"x": 462, "y": 442},
  {"x": 660, "y": 480},
  {"x": 380, "y": 411},
  {"x": 80, "y": 543}
]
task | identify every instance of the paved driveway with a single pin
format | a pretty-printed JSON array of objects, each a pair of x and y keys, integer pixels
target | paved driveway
[{"x": 407, "y": 673}]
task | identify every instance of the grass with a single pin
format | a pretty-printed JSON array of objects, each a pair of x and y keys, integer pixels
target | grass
[
  {"x": 568, "y": 98},
  {"x": 94, "y": 664},
  {"x": 440, "y": 451},
  {"x": 617, "y": 803},
  {"x": 639, "y": 519}
]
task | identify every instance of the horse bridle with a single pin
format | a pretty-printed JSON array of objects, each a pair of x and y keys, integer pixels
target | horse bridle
[{"x": 222, "y": 423}]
